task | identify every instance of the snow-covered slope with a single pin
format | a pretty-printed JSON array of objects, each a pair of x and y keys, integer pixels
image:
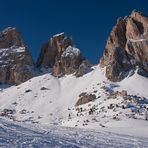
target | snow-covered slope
[
  {"x": 20, "y": 136},
  {"x": 50, "y": 100},
  {"x": 48, "y": 96},
  {"x": 135, "y": 84}
]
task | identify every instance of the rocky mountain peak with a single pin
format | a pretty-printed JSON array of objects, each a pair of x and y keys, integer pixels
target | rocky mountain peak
[
  {"x": 11, "y": 37},
  {"x": 137, "y": 15},
  {"x": 127, "y": 47},
  {"x": 15, "y": 60},
  {"x": 57, "y": 44},
  {"x": 61, "y": 55}
]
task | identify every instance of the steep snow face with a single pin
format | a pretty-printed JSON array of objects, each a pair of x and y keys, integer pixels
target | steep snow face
[
  {"x": 50, "y": 100},
  {"x": 71, "y": 52},
  {"x": 136, "y": 85}
]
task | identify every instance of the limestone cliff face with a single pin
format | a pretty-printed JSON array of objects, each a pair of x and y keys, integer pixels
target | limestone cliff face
[
  {"x": 61, "y": 55},
  {"x": 127, "y": 47},
  {"x": 15, "y": 60}
]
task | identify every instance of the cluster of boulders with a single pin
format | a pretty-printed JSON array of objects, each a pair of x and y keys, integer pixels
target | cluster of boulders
[
  {"x": 127, "y": 47},
  {"x": 123, "y": 93},
  {"x": 8, "y": 113}
]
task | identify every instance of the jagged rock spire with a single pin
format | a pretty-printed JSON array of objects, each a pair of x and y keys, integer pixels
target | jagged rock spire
[
  {"x": 61, "y": 55},
  {"x": 127, "y": 47}
]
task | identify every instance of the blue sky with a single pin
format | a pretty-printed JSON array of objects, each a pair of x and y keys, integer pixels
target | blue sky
[{"x": 89, "y": 21}]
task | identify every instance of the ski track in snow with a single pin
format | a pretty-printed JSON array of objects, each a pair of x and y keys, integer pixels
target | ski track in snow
[{"x": 16, "y": 135}]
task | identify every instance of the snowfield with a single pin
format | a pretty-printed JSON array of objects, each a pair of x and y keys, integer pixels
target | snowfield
[
  {"x": 47, "y": 99},
  {"x": 20, "y": 136},
  {"x": 45, "y": 114}
]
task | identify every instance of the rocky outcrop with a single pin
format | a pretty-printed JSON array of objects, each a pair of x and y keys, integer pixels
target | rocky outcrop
[
  {"x": 127, "y": 47},
  {"x": 15, "y": 60},
  {"x": 85, "y": 98},
  {"x": 61, "y": 55}
]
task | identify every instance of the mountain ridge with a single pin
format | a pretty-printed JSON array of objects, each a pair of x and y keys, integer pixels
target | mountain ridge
[
  {"x": 126, "y": 49},
  {"x": 77, "y": 94}
]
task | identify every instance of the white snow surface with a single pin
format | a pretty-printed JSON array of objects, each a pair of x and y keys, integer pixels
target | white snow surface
[
  {"x": 137, "y": 40},
  {"x": 59, "y": 34},
  {"x": 17, "y": 135},
  {"x": 135, "y": 84},
  {"x": 71, "y": 52},
  {"x": 11, "y": 50},
  {"x": 46, "y": 101}
]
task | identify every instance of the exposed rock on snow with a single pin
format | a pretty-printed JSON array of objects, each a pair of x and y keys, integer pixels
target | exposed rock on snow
[
  {"x": 127, "y": 47},
  {"x": 15, "y": 60},
  {"x": 85, "y": 98},
  {"x": 123, "y": 93}
]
